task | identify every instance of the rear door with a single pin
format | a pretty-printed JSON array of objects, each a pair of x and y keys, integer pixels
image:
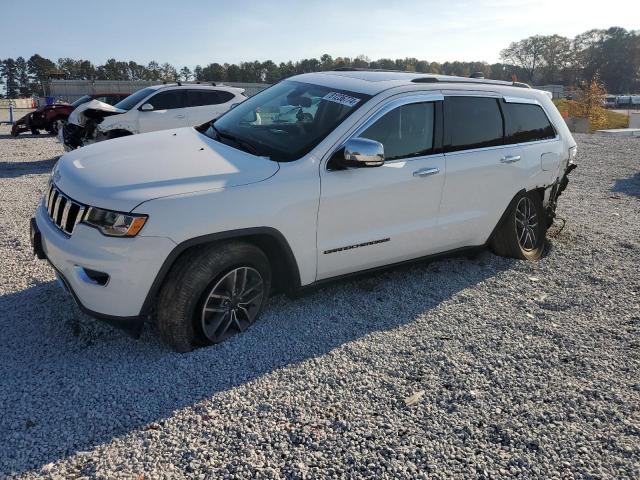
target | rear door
[
  {"x": 527, "y": 125},
  {"x": 169, "y": 111},
  {"x": 206, "y": 105},
  {"x": 483, "y": 174}
]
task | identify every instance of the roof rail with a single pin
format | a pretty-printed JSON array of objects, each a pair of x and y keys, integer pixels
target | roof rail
[
  {"x": 468, "y": 80},
  {"x": 361, "y": 69}
]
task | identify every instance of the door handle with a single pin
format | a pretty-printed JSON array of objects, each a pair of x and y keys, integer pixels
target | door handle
[
  {"x": 425, "y": 172},
  {"x": 179, "y": 116},
  {"x": 510, "y": 159}
]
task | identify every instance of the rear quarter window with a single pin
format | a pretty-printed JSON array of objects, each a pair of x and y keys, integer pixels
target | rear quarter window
[
  {"x": 526, "y": 123},
  {"x": 473, "y": 122}
]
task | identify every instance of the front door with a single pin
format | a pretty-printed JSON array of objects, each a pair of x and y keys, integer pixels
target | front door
[
  {"x": 169, "y": 111},
  {"x": 370, "y": 217}
]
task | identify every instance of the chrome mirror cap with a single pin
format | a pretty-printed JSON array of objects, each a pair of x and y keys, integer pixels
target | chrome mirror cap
[
  {"x": 147, "y": 107},
  {"x": 362, "y": 152}
]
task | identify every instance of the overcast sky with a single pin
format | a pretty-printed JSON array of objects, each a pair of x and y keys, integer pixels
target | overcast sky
[{"x": 184, "y": 32}]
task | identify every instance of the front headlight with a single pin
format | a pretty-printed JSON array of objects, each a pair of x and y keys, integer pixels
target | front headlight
[{"x": 115, "y": 224}]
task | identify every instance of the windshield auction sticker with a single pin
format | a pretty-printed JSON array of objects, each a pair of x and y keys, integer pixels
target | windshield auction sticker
[{"x": 341, "y": 98}]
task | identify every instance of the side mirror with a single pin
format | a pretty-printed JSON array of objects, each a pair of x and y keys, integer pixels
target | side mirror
[
  {"x": 147, "y": 107},
  {"x": 362, "y": 152}
]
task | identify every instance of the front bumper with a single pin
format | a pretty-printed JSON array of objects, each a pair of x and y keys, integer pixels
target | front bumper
[{"x": 131, "y": 263}]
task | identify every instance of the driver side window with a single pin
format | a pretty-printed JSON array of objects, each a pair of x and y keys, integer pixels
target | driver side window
[{"x": 406, "y": 131}]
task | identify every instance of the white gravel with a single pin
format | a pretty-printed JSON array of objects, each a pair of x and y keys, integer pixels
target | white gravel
[{"x": 513, "y": 368}]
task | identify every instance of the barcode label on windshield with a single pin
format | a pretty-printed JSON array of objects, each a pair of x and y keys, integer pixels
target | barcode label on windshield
[{"x": 341, "y": 98}]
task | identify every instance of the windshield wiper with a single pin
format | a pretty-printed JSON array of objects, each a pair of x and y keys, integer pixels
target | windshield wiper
[{"x": 244, "y": 145}]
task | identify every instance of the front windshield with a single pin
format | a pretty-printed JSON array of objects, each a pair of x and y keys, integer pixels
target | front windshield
[
  {"x": 285, "y": 121},
  {"x": 132, "y": 100},
  {"x": 81, "y": 100}
]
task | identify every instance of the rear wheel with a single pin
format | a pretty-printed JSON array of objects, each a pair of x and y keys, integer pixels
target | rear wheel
[
  {"x": 212, "y": 293},
  {"x": 52, "y": 127},
  {"x": 522, "y": 232}
]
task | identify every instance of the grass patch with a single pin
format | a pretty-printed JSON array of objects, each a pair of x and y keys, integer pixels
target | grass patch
[{"x": 612, "y": 119}]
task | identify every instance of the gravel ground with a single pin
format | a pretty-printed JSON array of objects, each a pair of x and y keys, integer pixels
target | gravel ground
[{"x": 509, "y": 368}]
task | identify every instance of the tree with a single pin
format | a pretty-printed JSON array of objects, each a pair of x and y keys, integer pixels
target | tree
[
  {"x": 326, "y": 62},
  {"x": 154, "y": 71},
  {"x": 168, "y": 73},
  {"x": 41, "y": 69},
  {"x": 526, "y": 54},
  {"x": 361, "y": 61},
  {"x": 214, "y": 72},
  {"x": 9, "y": 72},
  {"x": 556, "y": 56},
  {"x": 589, "y": 104},
  {"x": 22, "y": 77},
  {"x": 197, "y": 73},
  {"x": 185, "y": 74}
]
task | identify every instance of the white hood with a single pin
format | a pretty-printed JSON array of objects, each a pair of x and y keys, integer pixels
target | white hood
[
  {"x": 78, "y": 117},
  {"x": 122, "y": 173}
]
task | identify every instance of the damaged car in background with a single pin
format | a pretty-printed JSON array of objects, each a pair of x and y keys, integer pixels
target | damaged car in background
[
  {"x": 158, "y": 107},
  {"x": 49, "y": 117}
]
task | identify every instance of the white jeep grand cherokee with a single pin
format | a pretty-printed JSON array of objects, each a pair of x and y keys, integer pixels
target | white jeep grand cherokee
[{"x": 194, "y": 228}]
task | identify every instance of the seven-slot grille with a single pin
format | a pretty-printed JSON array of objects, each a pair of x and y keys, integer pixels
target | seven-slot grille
[{"x": 63, "y": 212}]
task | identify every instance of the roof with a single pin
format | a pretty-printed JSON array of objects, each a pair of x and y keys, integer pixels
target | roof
[
  {"x": 204, "y": 85},
  {"x": 372, "y": 82}
]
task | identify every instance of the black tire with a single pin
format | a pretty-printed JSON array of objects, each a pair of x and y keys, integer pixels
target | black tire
[
  {"x": 118, "y": 134},
  {"x": 512, "y": 238},
  {"x": 183, "y": 295},
  {"x": 52, "y": 128}
]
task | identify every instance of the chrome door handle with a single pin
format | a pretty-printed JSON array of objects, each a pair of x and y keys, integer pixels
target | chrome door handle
[
  {"x": 425, "y": 172},
  {"x": 510, "y": 159},
  {"x": 179, "y": 116}
]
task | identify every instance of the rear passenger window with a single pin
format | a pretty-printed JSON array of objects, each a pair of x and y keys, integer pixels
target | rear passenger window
[
  {"x": 526, "y": 123},
  {"x": 168, "y": 100},
  {"x": 473, "y": 122},
  {"x": 406, "y": 131},
  {"x": 198, "y": 98}
]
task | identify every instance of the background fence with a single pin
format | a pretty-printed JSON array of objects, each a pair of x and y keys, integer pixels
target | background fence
[{"x": 70, "y": 90}]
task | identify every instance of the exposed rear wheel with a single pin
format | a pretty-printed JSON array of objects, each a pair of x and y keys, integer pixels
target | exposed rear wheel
[
  {"x": 522, "y": 232},
  {"x": 212, "y": 293}
]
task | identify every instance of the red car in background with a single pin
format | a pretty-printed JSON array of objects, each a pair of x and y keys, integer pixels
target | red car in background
[{"x": 46, "y": 118}]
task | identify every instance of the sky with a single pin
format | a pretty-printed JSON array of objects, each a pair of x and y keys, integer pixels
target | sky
[{"x": 191, "y": 32}]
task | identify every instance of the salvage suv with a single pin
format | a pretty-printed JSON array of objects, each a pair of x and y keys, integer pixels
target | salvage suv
[
  {"x": 193, "y": 229},
  {"x": 158, "y": 107}
]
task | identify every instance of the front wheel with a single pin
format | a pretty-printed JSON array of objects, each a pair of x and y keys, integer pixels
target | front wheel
[
  {"x": 212, "y": 293},
  {"x": 522, "y": 233}
]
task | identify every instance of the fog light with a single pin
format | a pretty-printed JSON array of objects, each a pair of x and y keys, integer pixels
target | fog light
[{"x": 93, "y": 277}]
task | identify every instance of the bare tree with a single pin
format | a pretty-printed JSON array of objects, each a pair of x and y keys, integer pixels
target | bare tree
[{"x": 526, "y": 54}]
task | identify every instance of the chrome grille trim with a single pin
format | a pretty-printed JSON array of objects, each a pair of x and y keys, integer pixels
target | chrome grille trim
[{"x": 59, "y": 206}]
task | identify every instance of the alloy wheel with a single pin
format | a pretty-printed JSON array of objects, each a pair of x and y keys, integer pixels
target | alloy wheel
[
  {"x": 527, "y": 224},
  {"x": 233, "y": 304}
]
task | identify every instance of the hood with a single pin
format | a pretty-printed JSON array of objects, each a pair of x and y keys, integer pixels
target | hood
[
  {"x": 121, "y": 173},
  {"x": 92, "y": 109}
]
